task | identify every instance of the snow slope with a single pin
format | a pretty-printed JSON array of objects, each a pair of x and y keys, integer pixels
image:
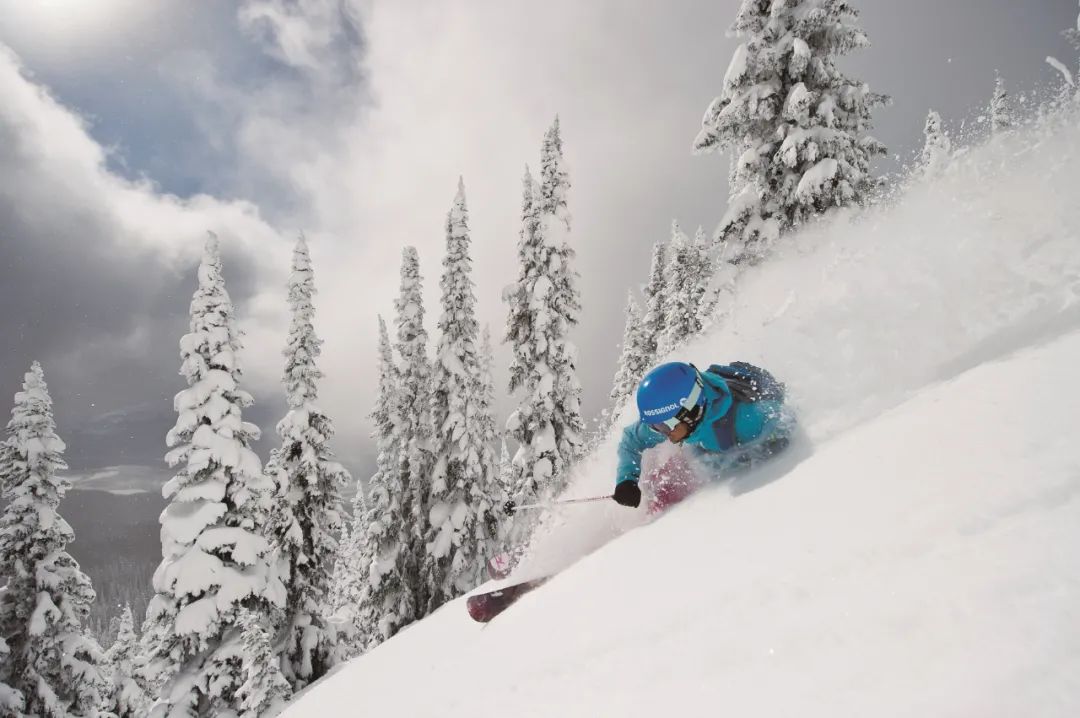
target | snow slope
[{"x": 916, "y": 553}]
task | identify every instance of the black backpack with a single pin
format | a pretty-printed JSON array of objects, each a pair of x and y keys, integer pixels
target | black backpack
[{"x": 749, "y": 383}]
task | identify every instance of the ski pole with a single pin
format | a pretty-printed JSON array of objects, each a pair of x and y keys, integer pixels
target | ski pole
[{"x": 511, "y": 507}]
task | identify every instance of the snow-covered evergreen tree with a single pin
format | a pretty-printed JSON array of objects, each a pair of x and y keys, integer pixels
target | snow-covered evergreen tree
[
  {"x": 387, "y": 603},
  {"x": 369, "y": 597},
  {"x": 800, "y": 124},
  {"x": 307, "y": 510},
  {"x": 1001, "y": 118},
  {"x": 566, "y": 300},
  {"x": 506, "y": 468},
  {"x": 632, "y": 365},
  {"x": 656, "y": 294},
  {"x": 11, "y": 699},
  {"x": 537, "y": 462},
  {"x": 462, "y": 476},
  {"x": 937, "y": 148},
  {"x": 683, "y": 283},
  {"x": 349, "y": 582},
  {"x": 127, "y": 699},
  {"x": 706, "y": 268},
  {"x": 381, "y": 594},
  {"x": 51, "y": 667},
  {"x": 265, "y": 690},
  {"x": 495, "y": 519},
  {"x": 413, "y": 423},
  {"x": 216, "y": 561},
  {"x": 486, "y": 404}
]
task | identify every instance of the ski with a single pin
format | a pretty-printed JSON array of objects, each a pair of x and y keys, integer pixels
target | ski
[
  {"x": 668, "y": 484},
  {"x": 485, "y": 606}
]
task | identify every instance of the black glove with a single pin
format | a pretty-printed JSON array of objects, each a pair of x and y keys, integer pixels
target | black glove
[
  {"x": 627, "y": 493},
  {"x": 509, "y": 507}
]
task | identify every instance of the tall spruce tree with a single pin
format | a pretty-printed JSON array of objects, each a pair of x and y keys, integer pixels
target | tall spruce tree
[
  {"x": 656, "y": 294},
  {"x": 462, "y": 474},
  {"x": 216, "y": 561},
  {"x": 11, "y": 699},
  {"x": 1001, "y": 118},
  {"x": 937, "y": 148},
  {"x": 565, "y": 302},
  {"x": 681, "y": 282},
  {"x": 800, "y": 124},
  {"x": 381, "y": 593},
  {"x": 703, "y": 293},
  {"x": 537, "y": 462},
  {"x": 307, "y": 511},
  {"x": 51, "y": 667},
  {"x": 414, "y": 422},
  {"x": 632, "y": 365},
  {"x": 496, "y": 522},
  {"x": 265, "y": 690},
  {"x": 127, "y": 699}
]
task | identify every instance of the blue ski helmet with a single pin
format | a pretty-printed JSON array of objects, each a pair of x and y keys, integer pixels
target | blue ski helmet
[{"x": 667, "y": 391}]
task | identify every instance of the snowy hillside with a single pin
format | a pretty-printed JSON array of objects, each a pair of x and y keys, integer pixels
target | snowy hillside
[{"x": 916, "y": 553}]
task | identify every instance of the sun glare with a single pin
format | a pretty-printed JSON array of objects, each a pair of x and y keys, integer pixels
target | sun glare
[{"x": 71, "y": 28}]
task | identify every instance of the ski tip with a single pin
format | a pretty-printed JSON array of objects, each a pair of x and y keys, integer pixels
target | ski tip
[{"x": 479, "y": 608}]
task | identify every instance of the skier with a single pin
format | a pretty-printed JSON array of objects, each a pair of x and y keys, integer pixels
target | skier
[{"x": 732, "y": 415}]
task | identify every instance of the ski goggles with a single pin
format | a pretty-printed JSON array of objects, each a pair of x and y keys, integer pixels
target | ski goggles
[{"x": 690, "y": 413}]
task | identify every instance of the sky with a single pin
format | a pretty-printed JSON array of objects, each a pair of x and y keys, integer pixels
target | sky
[{"x": 129, "y": 129}]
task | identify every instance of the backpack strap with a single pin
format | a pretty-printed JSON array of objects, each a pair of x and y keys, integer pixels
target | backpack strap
[{"x": 724, "y": 429}]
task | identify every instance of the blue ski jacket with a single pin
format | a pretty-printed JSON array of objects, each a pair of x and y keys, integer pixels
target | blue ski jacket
[{"x": 729, "y": 431}]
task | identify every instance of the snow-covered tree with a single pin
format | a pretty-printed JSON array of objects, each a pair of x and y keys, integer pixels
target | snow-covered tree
[
  {"x": 496, "y": 521},
  {"x": 1001, "y": 118},
  {"x": 937, "y": 148},
  {"x": 632, "y": 365},
  {"x": 656, "y": 294},
  {"x": 51, "y": 667},
  {"x": 486, "y": 403},
  {"x": 216, "y": 560},
  {"x": 127, "y": 699},
  {"x": 413, "y": 422},
  {"x": 11, "y": 699},
  {"x": 506, "y": 468},
  {"x": 566, "y": 300},
  {"x": 718, "y": 307},
  {"x": 349, "y": 582},
  {"x": 307, "y": 509},
  {"x": 684, "y": 281},
  {"x": 543, "y": 305},
  {"x": 462, "y": 475},
  {"x": 799, "y": 123},
  {"x": 537, "y": 462},
  {"x": 265, "y": 690},
  {"x": 704, "y": 291},
  {"x": 381, "y": 594}
]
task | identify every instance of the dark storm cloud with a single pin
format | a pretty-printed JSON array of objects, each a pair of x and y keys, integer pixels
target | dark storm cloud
[{"x": 98, "y": 273}]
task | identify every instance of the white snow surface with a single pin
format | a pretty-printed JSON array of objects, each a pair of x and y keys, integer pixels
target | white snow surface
[{"x": 915, "y": 552}]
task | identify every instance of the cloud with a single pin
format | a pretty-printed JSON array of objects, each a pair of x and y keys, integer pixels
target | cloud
[
  {"x": 469, "y": 90},
  {"x": 98, "y": 269},
  {"x": 122, "y": 479}
]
